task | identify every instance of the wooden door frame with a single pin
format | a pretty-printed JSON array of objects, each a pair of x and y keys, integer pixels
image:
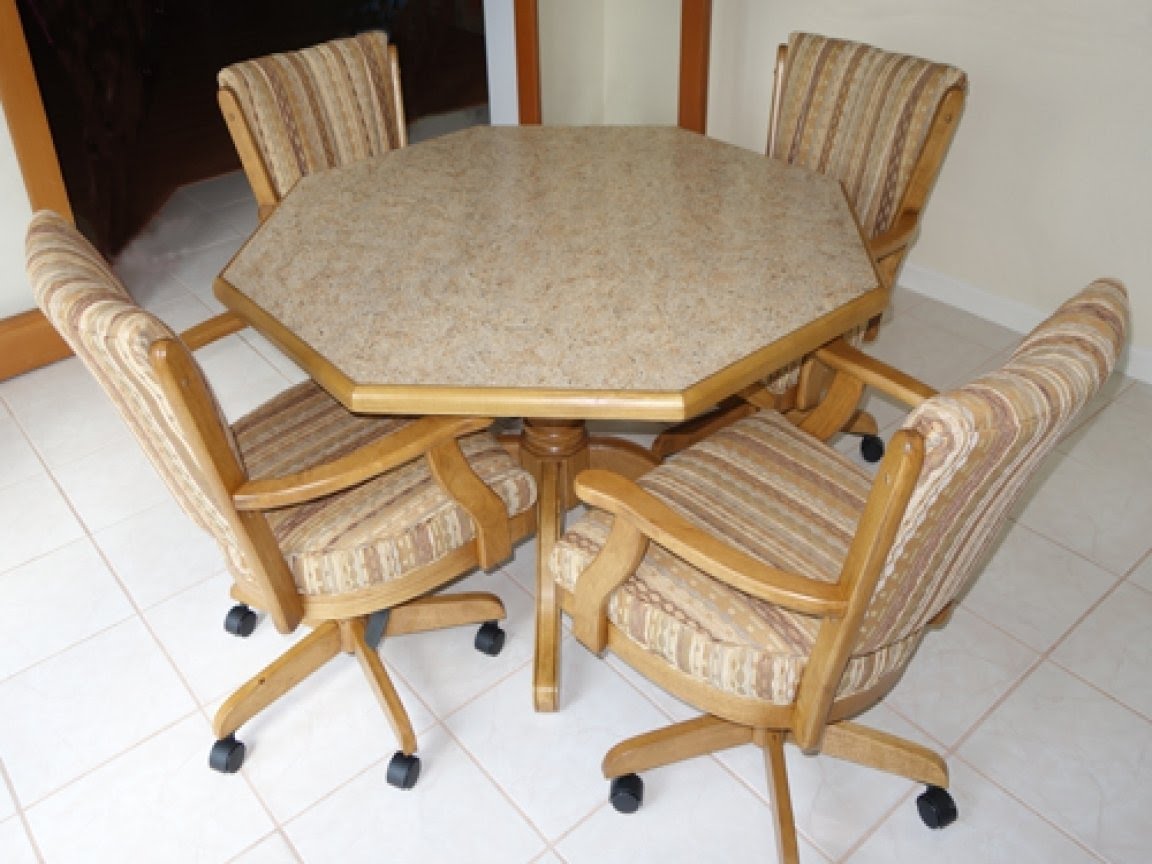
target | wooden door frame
[
  {"x": 695, "y": 38},
  {"x": 27, "y": 340}
]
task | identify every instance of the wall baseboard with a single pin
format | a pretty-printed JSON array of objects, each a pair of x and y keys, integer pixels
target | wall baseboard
[
  {"x": 1134, "y": 362},
  {"x": 27, "y": 342}
]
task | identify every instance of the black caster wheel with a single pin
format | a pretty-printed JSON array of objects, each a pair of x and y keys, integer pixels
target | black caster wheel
[
  {"x": 872, "y": 448},
  {"x": 489, "y": 639},
  {"x": 937, "y": 809},
  {"x": 240, "y": 621},
  {"x": 403, "y": 770},
  {"x": 227, "y": 755},
  {"x": 626, "y": 793}
]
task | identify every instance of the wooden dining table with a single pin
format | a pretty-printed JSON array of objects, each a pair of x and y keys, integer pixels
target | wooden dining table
[{"x": 556, "y": 275}]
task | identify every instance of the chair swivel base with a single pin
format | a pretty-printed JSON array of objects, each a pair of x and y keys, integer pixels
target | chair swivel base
[
  {"x": 935, "y": 805},
  {"x": 227, "y": 754}
]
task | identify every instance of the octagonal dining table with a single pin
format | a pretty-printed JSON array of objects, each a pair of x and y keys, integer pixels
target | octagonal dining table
[{"x": 555, "y": 275}]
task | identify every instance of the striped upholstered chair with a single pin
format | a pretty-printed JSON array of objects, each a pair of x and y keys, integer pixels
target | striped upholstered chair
[
  {"x": 341, "y": 522},
  {"x": 764, "y": 578},
  {"x": 321, "y": 107},
  {"x": 881, "y": 124}
]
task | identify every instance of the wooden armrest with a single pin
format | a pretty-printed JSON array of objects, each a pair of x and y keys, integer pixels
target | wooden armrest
[
  {"x": 896, "y": 239},
  {"x": 362, "y": 464},
  {"x": 224, "y": 324},
  {"x": 451, "y": 469},
  {"x": 659, "y": 522},
  {"x": 618, "y": 560},
  {"x": 842, "y": 357}
]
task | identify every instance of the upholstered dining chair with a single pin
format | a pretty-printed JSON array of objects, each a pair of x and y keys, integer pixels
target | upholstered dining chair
[
  {"x": 347, "y": 524},
  {"x": 879, "y": 122},
  {"x": 763, "y": 577},
  {"x": 328, "y": 105}
]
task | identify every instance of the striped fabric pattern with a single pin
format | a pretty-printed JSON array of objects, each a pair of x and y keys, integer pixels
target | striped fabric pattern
[
  {"x": 775, "y": 493},
  {"x": 373, "y": 533},
  {"x": 861, "y": 115},
  {"x": 321, "y": 107},
  {"x": 983, "y": 442},
  {"x": 771, "y": 491},
  {"x": 382, "y": 529},
  {"x": 89, "y": 307}
]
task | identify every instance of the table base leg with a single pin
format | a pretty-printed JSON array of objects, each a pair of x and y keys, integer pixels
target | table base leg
[
  {"x": 555, "y": 451},
  {"x": 549, "y": 527}
]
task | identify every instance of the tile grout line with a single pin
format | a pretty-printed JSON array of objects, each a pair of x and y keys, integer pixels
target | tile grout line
[
  {"x": 1046, "y": 655},
  {"x": 200, "y": 708},
  {"x": 437, "y": 721},
  {"x": 138, "y": 613},
  {"x": 1041, "y": 658},
  {"x": 105, "y": 762},
  {"x": 1063, "y": 832},
  {"x": 20, "y": 813},
  {"x": 275, "y": 832},
  {"x": 1016, "y": 524},
  {"x": 504, "y": 793}
]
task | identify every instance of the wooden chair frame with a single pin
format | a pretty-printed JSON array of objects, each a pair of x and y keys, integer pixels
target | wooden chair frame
[
  {"x": 891, "y": 248},
  {"x": 888, "y": 250},
  {"x": 339, "y": 622},
  {"x": 817, "y": 721}
]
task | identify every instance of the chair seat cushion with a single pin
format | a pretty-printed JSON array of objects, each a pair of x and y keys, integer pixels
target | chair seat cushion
[
  {"x": 382, "y": 529},
  {"x": 773, "y": 492}
]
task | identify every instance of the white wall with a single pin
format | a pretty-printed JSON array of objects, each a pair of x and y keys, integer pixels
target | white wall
[
  {"x": 500, "y": 49},
  {"x": 641, "y": 61},
  {"x": 571, "y": 61},
  {"x": 1049, "y": 181},
  {"x": 608, "y": 61},
  {"x": 15, "y": 212}
]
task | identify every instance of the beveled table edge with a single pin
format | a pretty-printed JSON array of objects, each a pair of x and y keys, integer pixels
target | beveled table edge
[{"x": 556, "y": 403}]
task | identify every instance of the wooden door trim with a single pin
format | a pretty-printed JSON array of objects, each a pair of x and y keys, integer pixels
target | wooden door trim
[
  {"x": 695, "y": 44},
  {"x": 27, "y": 340},
  {"x": 27, "y": 121},
  {"x": 695, "y": 40},
  {"x": 527, "y": 29}
]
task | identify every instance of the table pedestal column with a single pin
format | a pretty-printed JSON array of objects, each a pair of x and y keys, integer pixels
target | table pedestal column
[{"x": 554, "y": 451}]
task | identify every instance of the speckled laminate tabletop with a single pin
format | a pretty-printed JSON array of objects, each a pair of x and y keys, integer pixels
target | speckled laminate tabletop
[{"x": 591, "y": 259}]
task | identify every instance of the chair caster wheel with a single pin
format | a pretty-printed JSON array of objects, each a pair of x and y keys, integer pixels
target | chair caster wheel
[
  {"x": 227, "y": 755},
  {"x": 403, "y": 770},
  {"x": 626, "y": 793},
  {"x": 936, "y": 807},
  {"x": 240, "y": 621},
  {"x": 872, "y": 448},
  {"x": 489, "y": 639}
]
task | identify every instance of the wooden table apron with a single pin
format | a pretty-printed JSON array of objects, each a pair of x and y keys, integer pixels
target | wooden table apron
[{"x": 559, "y": 275}]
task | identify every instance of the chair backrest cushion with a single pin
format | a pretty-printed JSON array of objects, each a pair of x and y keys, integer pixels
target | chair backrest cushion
[
  {"x": 320, "y": 107},
  {"x": 983, "y": 443},
  {"x": 112, "y": 335},
  {"x": 861, "y": 115}
]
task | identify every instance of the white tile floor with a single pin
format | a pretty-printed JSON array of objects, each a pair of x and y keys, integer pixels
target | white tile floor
[{"x": 112, "y": 660}]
